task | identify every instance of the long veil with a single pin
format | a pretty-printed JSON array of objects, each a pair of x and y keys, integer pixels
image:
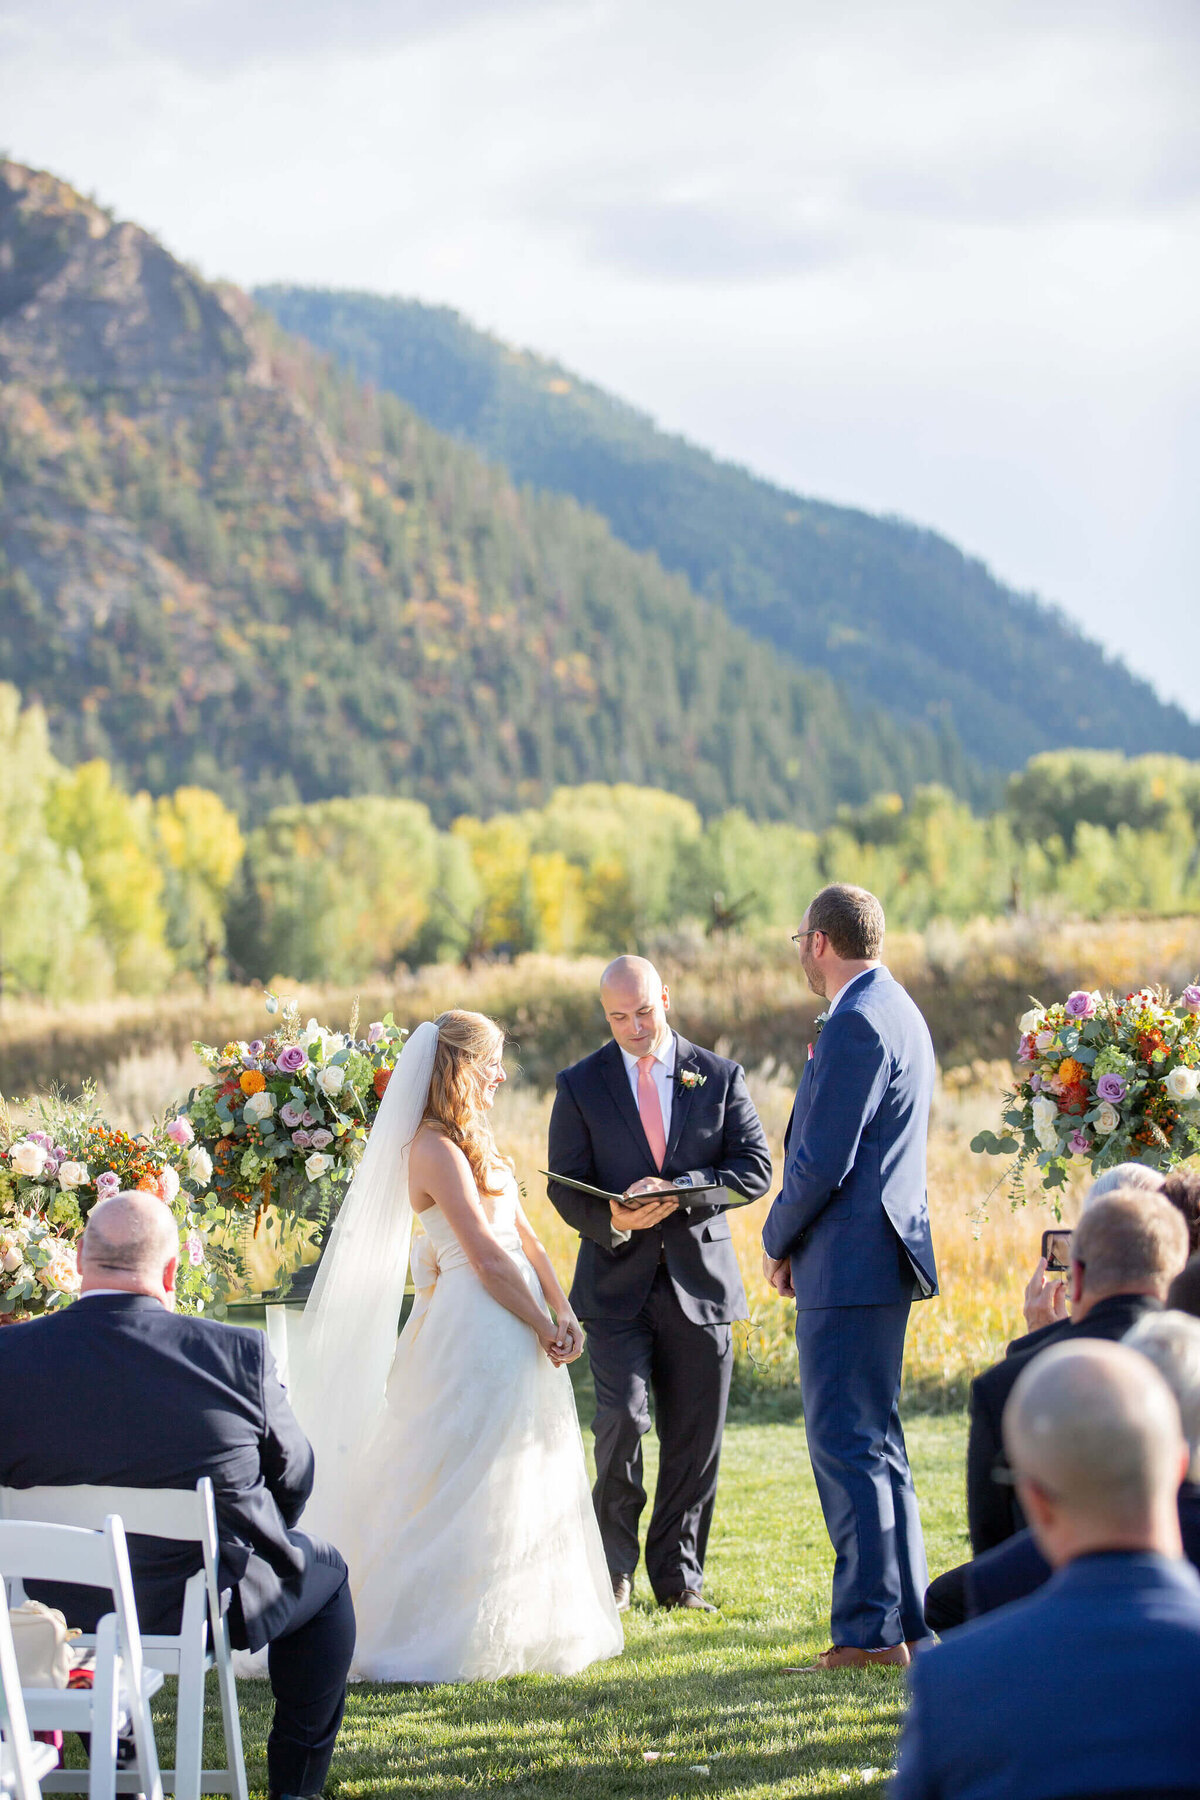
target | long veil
[{"x": 340, "y": 1348}]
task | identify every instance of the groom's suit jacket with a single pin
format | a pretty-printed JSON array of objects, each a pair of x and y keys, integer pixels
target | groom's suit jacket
[
  {"x": 853, "y": 1213},
  {"x": 596, "y": 1136},
  {"x": 115, "y": 1391}
]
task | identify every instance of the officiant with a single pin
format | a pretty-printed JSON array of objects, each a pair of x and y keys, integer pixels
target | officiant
[{"x": 657, "y": 1282}]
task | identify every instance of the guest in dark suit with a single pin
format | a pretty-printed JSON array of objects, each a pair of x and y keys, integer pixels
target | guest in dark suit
[
  {"x": 1093, "y": 1435},
  {"x": 118, "y": 1390},
  {"x": 656, "y": 1284},
  {"x": 849, "y": 1237},
  {"x": 1125, "y": 1251},
  {"x": 1171, "y": 1341}
]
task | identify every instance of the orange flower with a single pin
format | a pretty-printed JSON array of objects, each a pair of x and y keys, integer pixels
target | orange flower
[
  {"x": 148, "y": 1184},
  {"x": 252, "y": 1081},
  {"x": 382, "y": 1077},
  {"x": 1071, "y": 1072}
]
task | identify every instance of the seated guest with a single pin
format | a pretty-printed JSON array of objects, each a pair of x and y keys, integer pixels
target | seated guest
[
  {"x": 119, "y": 1391},
  {"x": 1182, "y": 1188},
  {"x": 1089, "y": 1686},
  {"x": 1045, "y": 1302},
  {"x": 1184, "y": 1292},
  {"x": 1124, "y": 1253},
  {"x": 1171, "y": 1341}
]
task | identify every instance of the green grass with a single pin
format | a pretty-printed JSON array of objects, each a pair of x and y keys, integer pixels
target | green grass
[{"x": 693, "y": 1689}]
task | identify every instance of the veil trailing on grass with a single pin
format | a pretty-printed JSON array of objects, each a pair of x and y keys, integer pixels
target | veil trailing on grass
[{"x": 341, "y": 1347}]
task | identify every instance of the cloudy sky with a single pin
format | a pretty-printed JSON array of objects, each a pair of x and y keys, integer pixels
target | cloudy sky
[{"x": 938, "y": 258}]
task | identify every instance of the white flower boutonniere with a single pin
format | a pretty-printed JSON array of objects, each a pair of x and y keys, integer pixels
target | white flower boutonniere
[{"x": 691, "y": 1078}]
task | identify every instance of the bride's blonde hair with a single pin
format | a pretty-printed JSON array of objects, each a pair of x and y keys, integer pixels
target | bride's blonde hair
[{"x": 467, "y": 1042}]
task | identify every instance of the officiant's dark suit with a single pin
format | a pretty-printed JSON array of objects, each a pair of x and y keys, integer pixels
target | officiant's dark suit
[
  {"x": 658, "y": 1304},
  {"x": 116, "y": 1391},
  {"x": 853, "y": 1217}
]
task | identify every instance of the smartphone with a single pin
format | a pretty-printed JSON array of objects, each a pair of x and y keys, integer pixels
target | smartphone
[{"x": 1056, "y": 1248}]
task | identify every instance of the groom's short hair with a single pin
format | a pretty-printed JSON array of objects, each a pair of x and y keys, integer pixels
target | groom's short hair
[{"x": 850, "y": 917}]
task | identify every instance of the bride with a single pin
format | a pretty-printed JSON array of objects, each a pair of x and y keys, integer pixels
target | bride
[{"x": 455, "y": 1486}]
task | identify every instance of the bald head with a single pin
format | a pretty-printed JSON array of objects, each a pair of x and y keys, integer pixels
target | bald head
[
  {"x": 635, "y": 1004},
  {"x": 1093, "y": 1434},
  {"x": 130, "y": 1242}
]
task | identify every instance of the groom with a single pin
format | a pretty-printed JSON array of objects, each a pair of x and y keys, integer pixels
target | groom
[
  {"x": 848, "y": 1238},
  {"x": 658, "y": 1287}
]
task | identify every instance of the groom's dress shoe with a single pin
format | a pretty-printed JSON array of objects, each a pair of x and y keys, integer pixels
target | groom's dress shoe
[
  {"x": 273, "y": 1794},
  {"x": 847, "y": 1656},
  {"x": 622, "y": 1591},
  {"x": 690, "y": 1599}
]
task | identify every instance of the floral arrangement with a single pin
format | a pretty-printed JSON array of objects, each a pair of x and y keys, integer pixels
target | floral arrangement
[
  {"x": 284, "y": 1120},
  {"x": 50, "y": 1179},
  {"x": 1104, "y": 1080}
]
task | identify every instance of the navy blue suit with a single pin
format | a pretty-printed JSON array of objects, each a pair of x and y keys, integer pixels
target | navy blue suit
[
  {"x": 1086, "y": 1688},
  {"x": 115, "y": 1391},
  {"x": 658, "y": 1304},
  {"x": 853, "y": 1217}
]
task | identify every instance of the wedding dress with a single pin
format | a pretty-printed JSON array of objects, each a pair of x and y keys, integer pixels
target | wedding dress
[{"x": 455, "y": 1486}]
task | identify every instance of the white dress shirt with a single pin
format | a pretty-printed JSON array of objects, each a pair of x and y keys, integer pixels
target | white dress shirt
[
  {"x": 662, "y": 1074},
  {"x": 834, "y": 1003}
]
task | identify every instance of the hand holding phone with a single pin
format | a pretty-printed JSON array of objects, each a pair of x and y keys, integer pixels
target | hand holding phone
[{"x": 1056, "y": 1249}]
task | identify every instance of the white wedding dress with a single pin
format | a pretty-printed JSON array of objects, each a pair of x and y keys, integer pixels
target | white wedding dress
[
  {"x": 481, "y": 1556},
  {"x": 449, "y": 1465}
]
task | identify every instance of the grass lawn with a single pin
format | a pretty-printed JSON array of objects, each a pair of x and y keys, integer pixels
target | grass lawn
[{"x": 701, "y": 1695}]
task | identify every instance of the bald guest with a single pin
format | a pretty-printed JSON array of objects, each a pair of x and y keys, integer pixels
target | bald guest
[
  {"x": 657, "y": 1284},
  {"x": 1089, "y": 1686}
]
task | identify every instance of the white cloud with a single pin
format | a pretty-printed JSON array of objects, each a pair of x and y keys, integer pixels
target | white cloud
[{"x": 927, "y": 259}]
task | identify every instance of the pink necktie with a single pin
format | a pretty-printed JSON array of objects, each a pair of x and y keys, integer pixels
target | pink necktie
[{"x": 651, "y": 1111}]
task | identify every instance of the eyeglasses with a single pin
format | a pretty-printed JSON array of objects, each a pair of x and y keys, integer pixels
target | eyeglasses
[{"x": 797, "y": 935}]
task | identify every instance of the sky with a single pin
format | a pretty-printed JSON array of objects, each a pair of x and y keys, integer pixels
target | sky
[{"x": 938, "y": 259}]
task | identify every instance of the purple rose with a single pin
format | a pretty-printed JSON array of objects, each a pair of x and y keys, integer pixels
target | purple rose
[
  {"x": 309, "y": 1118},
  {"x": 1111, "y": 1088},
  {"x": 1080, "y": 1006},
  {"x": 291, "y": 1114},
  {"x": 257, "y": 1047},
  {"x": 1035, "y": 1084},
  {"x": 374, "y": 1032},
  {"x": 107, "y": 1185},
  {"x": 40, "y": 1137},
  {"x": 291, "y": 1059},
  {"x": 1191, "y": 997},
  {"x": 302, "y": 1140},
  {"x": 1079, "y": 1143},
  {"x": 321, "y": 1138}
]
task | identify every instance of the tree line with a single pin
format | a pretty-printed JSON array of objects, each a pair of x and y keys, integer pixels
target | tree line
[{"x": 104, "y": 890}]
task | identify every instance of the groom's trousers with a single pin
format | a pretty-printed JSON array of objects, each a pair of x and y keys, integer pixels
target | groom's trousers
[
  {"x": 687, "y": 1369},
  {"x": 850, "y": 1359}
]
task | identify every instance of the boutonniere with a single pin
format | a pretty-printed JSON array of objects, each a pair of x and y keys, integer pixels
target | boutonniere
[
  {"x": 691, "y": 1078},
  {"x": 819, "y": 1024}
]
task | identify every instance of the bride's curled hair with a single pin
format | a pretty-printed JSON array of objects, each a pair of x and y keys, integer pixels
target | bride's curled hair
[{"x": 467, "y": 1043}]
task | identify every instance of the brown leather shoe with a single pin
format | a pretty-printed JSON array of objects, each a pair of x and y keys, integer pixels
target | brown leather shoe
[
  {"x": 846, "y": 1656},
  {"x": 690, "y": 1599},
  {"x": 622, "y": 1591}
]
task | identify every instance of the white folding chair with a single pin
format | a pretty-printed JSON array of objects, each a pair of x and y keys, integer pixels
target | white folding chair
[
  {"x": 22, "y": 1762},
  {"x": 122, "y": 1686},
  {"x": 182, "y": 1515}
]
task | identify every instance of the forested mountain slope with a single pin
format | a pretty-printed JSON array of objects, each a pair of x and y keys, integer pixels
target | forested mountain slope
[
  {"x": 896, "y": 613},
  {"x": 225, "y": 561}
]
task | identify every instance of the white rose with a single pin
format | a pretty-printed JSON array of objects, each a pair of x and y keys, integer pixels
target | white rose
[
  {"x": 62, "y": 1271},
  {"x": 1031, "y": 1022},
  {"x": 1044, "y": 1113},
  {"x": 1182, "y": 1084},
  {"x": 200, "y": 1165},
  {"x": 27, "y": 1158},
  {"x": 72, "y": 1175},
  {"x": 316, "y": 1165},
  {"x": 1043, "y": 1041},
  {"x": 332, "y": 1080},
  {"x": 1046, "y": 1136},
  {"x": 259, "y": 1106},
  {"x": 1107, "y": 1119},
  {"x": 11, "y": 1255}
]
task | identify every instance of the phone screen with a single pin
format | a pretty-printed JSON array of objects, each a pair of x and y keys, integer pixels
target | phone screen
[{"x": 1056, "y": 1248}]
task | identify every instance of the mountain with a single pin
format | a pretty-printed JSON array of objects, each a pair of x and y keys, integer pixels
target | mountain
[
  {"x": 226, "y": 561},
  {"x": 898, "y": 615}
]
